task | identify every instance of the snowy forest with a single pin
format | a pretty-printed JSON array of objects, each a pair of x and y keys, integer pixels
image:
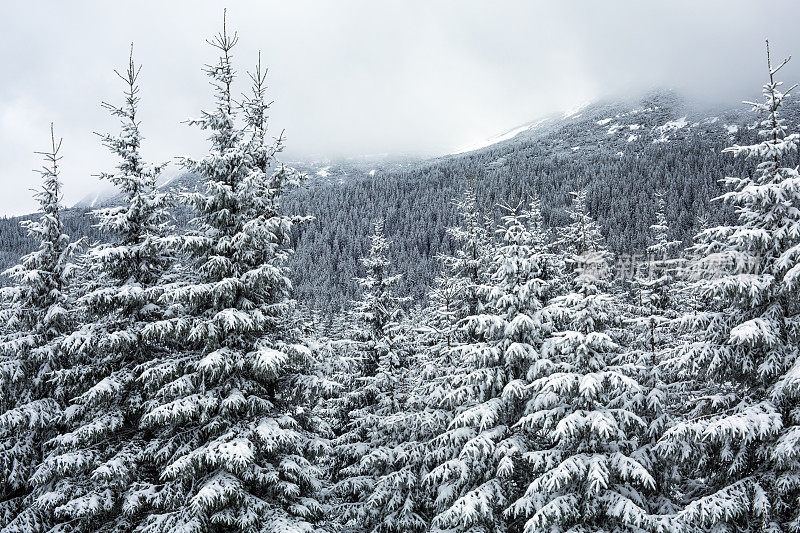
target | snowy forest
[{"x": 157, "y": 373}]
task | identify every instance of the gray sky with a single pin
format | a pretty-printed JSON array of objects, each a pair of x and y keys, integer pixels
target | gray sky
[{"x": 360, "y": 77}]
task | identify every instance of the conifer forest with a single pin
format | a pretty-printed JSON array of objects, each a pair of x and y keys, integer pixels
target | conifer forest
[{"x": 591, "y": 326}]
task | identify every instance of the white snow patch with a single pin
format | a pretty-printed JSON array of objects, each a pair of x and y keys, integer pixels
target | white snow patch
[
  {"x": 632, "y": 138},
  {"x": 672, "y": 125},
  {"x": 168, "y": 175},
  {"x": 502, "y": 137},
  {"x": 324, "y": 171},
  {"x": 510, "y": 134},
  {"x": 604, "y": 121},
  {"x": 576, "y": 148},
  {"x": 731, "y": 128},
  {"x": 574, "y": 111},
  {"x": 372, "y": 172},
  {"x": 614, "y": 128},
  {"x": 634, "y": 127}
]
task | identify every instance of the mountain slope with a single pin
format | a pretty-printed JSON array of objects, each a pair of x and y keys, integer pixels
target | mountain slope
[{"x": 621, "y": 152}]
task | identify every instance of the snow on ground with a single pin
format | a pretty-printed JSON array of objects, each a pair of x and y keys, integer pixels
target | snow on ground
[
  {"x": 500, "y": 138},
  {"x": 604, "y": 121},
  {"x": 372, "y": 172},
  {"x": 324, "y": 171},
  {"x": 672, "y": 125},
  {"x": 168, "y": 175},
  {"x": 574, "y": 111},
  {"x": 731, "y": 128}
]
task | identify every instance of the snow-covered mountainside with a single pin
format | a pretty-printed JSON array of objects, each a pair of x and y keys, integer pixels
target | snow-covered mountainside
[
  {"x": 620, "y": 151},
  {"x": 622, "y": 127},
  {"x": 628, "y": 125}
]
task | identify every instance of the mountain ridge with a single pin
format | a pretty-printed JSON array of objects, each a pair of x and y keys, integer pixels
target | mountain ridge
[{"x": 621, "y": 152}]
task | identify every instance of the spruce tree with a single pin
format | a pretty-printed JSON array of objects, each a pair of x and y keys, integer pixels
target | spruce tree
[
  {"x": 653, "y": 337},
  {"x": 656, "y": 300},
  {"x": 232, "y": 437},
  {"x": 473, "y": 471},
  {"x": 587, "y": 471},
  {"x": 401, "y": 436},
  {"x": 39, "y": 313},
  {"x": 740, "y": 433},
  {"x": 90, "y": 477},
  {"x": 378, "y": 455},
  {"x": 469, "y": 263}
]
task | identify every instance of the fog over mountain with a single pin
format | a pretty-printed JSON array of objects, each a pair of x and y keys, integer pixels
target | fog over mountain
[{"x": 361, "y": 78}]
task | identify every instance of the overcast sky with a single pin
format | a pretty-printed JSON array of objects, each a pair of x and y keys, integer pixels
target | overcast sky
[{"x": 360, "y": 77}]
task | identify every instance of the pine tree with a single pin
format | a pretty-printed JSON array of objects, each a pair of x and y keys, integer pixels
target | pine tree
[
  {"x": 656, "y": 297},
  {"x": 740, "y": 436},
  {"x": 652, "y": 338},
  {"x": 473, "y": 471},
  {"x": 400, "y": 436},
  {"x": 378, "y": 455},
  {"x": 232, "y": 436},
  {"x": 92, "y": 470},
  {"x": 40, "y": 313},
  {"x": 587, "y": 473},
  {"x": 453, "y": 297},
  {"x": 469, "y": 264}
]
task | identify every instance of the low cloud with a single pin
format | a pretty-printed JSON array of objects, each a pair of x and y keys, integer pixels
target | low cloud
[{"x": 360, "y": 77}]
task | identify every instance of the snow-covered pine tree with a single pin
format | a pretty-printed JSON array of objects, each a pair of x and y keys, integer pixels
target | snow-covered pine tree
[
  {"x": 93, "y": 465},
  {"x": 586, "y": 475},
  {"x": 652, "y": 337},
  {"x": 691, "y": 268},
  {"x": 230, "y": 433},
  {"x": 469, "y": 264},
  {"x": 473, "y": 460},
  {"x": 429, "y": 338},
  {"x": 655, "y": 283},
  {"x": 453, "y": 297},
  {"x": 40, "y": 313},
  {"x": 740, "y": 439},
  {"x": 377, "y": 453}
]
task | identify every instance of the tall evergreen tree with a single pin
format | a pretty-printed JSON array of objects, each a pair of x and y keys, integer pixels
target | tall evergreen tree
[
  {"x": 40, "y": 313},
  {"x": 469, "y": 263},
  {"x": 474, "y": 459},
  {"x": 378, "y": 455},
  {"x": 656, "y": 298},
  {"x": 232, "y": 438},
  {"x": 652, "y": 339},
  {"x": 91, "y": 473},
  {"x": 588, "y": 475},
  {"x": 740, "y": 437}
]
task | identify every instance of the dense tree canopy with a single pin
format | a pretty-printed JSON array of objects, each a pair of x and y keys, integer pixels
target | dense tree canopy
[{"x": 475, "y": 349}]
